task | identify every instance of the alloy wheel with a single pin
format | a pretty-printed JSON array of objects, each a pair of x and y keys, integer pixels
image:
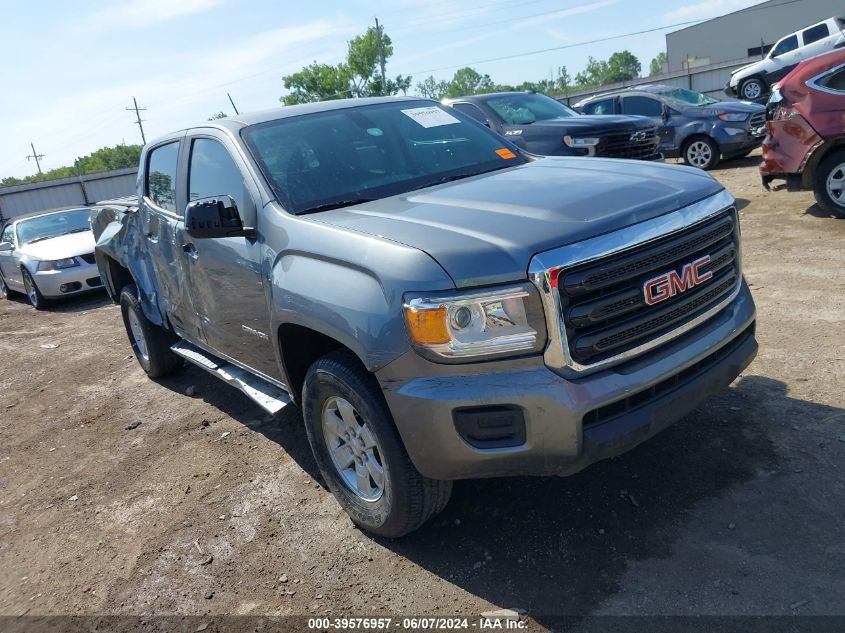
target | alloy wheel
[
  {"x": 752, "y": 90},
  {"x": 699, "y": 154},
  {"x": 138, "y": 337},
  {"x": 353, "y": 449},
  {"x": 30, "y": 289},
  {"x": 836, "y": 184}
]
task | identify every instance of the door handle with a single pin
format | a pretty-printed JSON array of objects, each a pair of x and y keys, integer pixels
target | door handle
[{"x": 190, "y": 250}]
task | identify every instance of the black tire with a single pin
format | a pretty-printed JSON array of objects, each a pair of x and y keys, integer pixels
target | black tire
[
  {"x": 408, "y": 499},
  {"x": 832, "y": 166},
  {"x": 5, "y": 291},
  {"x": 695, "y": 155},
  {"x": 33, "y": 294},
  {"x": 156, "y": 359},
  {"x": 753, "y": 89}
]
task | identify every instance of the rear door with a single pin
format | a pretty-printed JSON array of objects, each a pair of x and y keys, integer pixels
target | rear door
[
  {"x": 226, "y": 280},
  {"x": 161, "y": 212},
  {"x": 816, "y": 40}
]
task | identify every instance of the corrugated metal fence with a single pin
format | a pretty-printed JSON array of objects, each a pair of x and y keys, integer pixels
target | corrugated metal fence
[
  {"x": 66, "y": 192},
  {"x": 710, "y": 79}
]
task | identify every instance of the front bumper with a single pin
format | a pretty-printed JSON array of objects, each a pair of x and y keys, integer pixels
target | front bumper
[
  {"x": 424, "y": 396},
  {"x": 68, "y": 281}
]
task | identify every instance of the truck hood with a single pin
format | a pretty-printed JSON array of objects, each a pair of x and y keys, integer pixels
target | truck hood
[
  {"x": 485, "y": 229},
  {"x": 597, "y": 124},
  {"x": 61, "y": 247}
]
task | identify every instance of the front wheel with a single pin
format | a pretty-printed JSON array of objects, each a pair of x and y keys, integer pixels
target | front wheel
[
  {"x": 701, "y": 152},
  {"x": 359, "y": 452},
  {"x": 5, "y": 291},
  {"x": 150, "y": 342},
  {"x": 829, "y": 184},
  {"x": 752, "y": 89},
  {"x": 33, "y": 294}
]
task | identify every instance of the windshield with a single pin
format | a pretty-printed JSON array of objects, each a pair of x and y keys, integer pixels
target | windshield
[
  {"x": 331, "y": 159},
  {"x": 54, "y": 224},
  {"x": 688, "y": 97},
  {"x": 526, "y": 108}
]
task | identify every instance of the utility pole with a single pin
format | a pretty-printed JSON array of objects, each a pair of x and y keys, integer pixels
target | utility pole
[
  {"x": 234, "y": 107},
  {"x": 381, "y": 58},
  {"x": 138, "y": 116},
  {"x": 37, "y": 158}
]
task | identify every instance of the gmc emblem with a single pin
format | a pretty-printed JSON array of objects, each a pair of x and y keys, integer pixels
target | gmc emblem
[
  {"x": 638, "y": 136},
  {"x": 670, "y": 284}
]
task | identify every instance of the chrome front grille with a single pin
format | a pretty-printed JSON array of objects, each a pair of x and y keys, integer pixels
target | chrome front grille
[{"x": 594, "y": 291}]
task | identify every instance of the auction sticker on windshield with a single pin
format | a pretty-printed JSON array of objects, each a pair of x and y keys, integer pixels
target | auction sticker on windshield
[{"x": 430, "y": 116}]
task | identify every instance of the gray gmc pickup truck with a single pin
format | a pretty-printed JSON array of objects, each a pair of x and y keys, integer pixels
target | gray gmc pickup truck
[{"x": 440, "y": 304}]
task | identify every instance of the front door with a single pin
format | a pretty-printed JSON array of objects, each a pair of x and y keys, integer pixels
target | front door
[
  {"x": 653, "y": 109},
  {"x": 9, "y": 266},
  {"x": 226, "y": 281}
]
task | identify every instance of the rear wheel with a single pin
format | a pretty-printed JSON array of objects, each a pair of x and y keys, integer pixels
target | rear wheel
[
  {"x": 33, "y": 294},
  {"x": 829, "y": 184},
  {"x": 752, "y": 89},
  {"x": 359, "y": 452},
  {"x": 5, "y": 291},
  {"x": 150, "y": 342},
  {"x": 701, "y": 152}
]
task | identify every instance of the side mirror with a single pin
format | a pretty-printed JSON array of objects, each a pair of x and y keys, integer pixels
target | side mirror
[
  {"x": 215, "y": 217},
  {"x": 6, "y": 247}
]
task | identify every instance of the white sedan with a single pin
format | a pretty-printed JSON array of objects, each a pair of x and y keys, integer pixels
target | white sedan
[{"x": 48, "y": 254}]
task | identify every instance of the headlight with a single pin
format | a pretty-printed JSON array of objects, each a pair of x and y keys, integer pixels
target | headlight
[
  {"x": 59, "y": 264},
  {"x": 733, "y": 116},
  {"x": 574, "y": 141},
  {"x": 458, "y": 327}
]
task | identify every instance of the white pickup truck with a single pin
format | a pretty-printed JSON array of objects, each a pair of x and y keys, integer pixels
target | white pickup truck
[{"x": 754, "y": 82}]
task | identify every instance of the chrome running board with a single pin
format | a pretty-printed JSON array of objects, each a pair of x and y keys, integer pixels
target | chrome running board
[{"x": 268, "y": 396}]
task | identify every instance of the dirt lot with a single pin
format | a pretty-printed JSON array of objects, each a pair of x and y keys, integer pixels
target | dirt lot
[{"x": 209, "y": 507}]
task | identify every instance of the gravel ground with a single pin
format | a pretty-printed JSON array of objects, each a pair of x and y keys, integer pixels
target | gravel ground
[{"x": 120, "y": 495}]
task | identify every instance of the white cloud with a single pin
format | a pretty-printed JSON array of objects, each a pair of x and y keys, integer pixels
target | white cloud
[
  {"x": 707, "y": 9},
  {"x": 141, "y": 13}
]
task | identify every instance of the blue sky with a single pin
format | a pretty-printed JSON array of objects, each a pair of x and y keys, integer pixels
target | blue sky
[{"x": 70, "y": 68}]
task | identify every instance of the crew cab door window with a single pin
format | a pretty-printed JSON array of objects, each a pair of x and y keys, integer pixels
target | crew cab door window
[
  {"x": 644, "y": 106},
  {"x": 815, "y": 33},
  {"x": 471, "y": 110},
  {"x": 161, "y": 176},
  {"x": 786, "y": 45},
  {"x": 605, "y": 106},
  {"x": 212, "y": 172}
]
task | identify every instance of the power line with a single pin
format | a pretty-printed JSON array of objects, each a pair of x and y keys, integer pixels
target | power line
[
  {"x": 37, "y": 158},
  {"x": 138, "y": 116}
]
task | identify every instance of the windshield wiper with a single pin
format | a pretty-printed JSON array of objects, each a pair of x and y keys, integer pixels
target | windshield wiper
[
  {"x": 455, "y": 177},
  {"x": 335, "y": 205},
  {"x": 40, "y": 239},
  {"x": 79, "y": 230}
]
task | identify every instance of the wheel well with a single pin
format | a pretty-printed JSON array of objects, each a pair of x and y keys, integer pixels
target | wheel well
[
  {"x": 815, "y": 160},
  {"x": 301, "y": 346},
  {"x": 118, "y": 277}
]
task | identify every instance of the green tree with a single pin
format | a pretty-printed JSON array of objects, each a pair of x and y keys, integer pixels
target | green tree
[
  {"x": 622, "y": 66},
  {"x": 317, "y": 82},
  {"x": 430, "y": 88},
  {"x": 595, "y": 73},
  {"x": 359, "y": 75},
  {"x": 104, "y": 159},
  {"x": 657, "y": 64},
  {"x": 468, "y": 81},
  {"x": 218, "y": 115}
]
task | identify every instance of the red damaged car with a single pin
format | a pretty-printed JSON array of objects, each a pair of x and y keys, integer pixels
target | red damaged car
[{"x": 806, "y": 141}]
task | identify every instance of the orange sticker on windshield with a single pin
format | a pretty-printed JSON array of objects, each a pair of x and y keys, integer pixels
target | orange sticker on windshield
[{"x": 505, "y": 153}]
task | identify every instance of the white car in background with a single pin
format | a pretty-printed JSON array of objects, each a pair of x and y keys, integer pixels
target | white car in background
[
  {"x": 48, "y": 254},
  {"x": 754, "y": 82}
]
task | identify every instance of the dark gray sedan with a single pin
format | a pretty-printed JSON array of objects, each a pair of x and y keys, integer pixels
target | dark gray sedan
[{"x": 691, "y": 125}]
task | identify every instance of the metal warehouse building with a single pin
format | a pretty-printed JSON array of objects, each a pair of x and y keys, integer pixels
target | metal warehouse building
[{"x": 748, "y": 33}]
